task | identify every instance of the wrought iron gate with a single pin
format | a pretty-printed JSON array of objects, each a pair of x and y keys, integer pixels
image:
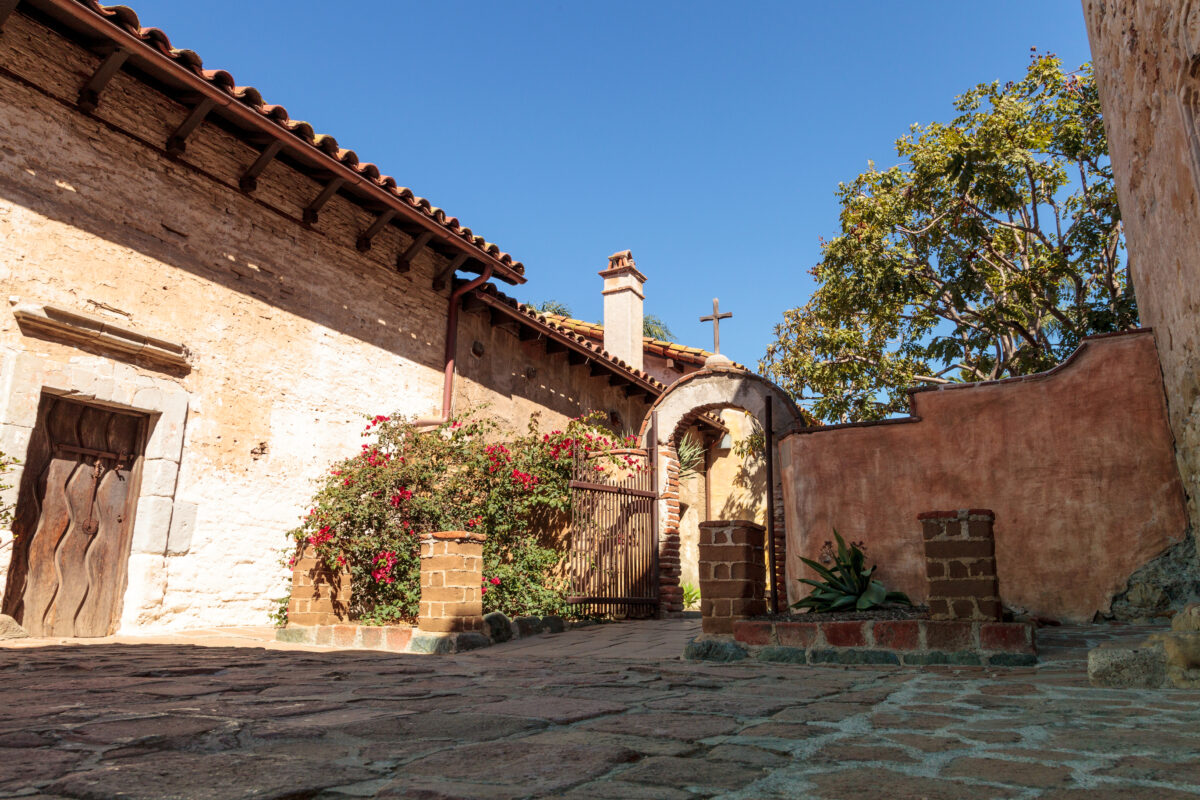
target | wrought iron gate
[{"x": 613, "y": 562}]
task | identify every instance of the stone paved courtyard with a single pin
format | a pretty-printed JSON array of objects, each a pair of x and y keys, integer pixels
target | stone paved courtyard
[{"x": 602, "y": 712}]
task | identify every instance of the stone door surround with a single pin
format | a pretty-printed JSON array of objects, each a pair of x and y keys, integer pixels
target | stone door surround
[{"x": 25, "y": 376}]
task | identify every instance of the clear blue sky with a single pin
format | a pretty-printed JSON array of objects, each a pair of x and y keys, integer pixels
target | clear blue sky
[{"x": 707, "y": 137}]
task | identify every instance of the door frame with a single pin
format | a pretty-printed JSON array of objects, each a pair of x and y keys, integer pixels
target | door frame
[{"x": 28, "y": 491}]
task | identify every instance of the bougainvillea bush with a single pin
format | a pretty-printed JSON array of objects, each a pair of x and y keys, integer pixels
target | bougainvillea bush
[{"x": 370, "y": 510}]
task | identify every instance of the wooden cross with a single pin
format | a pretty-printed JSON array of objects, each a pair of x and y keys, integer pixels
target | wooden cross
[{"x": 715, "y": 319}]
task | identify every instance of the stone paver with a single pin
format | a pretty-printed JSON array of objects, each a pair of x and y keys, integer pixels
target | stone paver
[{"x": 603, "y": 712}]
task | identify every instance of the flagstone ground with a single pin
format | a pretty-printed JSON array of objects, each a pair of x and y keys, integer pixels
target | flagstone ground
[{"x": 602, "y": 712}]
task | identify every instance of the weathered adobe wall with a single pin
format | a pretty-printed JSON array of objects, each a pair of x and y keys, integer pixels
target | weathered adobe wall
[
  {"x": 1076, "y": 463},
  {"x": 516, "y": 379},
  {"x": 294, "y": 334},
  {"x": 1140, "y": 51}
]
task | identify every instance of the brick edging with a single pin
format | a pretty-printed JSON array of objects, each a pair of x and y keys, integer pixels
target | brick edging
[
  {"x": 406, "y": 639},
  {"x": 912, "y": 642}
]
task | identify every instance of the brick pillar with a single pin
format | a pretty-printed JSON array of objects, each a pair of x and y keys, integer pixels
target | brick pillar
[
  {"x": 319, "y": 596},
  {"x": 733, "y": 573},
  {"x": 451, "y": 577},
  {"x": 670, "y": 593},
  {"x": 960, "y": 562}
]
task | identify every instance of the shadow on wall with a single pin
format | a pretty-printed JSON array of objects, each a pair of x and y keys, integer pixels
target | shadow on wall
[{"x": 740, "y": 482}]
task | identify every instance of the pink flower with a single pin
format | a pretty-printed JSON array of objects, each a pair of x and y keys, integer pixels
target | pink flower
[{"x": 495, "y": 581}]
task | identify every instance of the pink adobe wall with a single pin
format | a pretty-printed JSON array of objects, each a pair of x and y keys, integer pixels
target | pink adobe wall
[{"x": 1078, "y": 464}]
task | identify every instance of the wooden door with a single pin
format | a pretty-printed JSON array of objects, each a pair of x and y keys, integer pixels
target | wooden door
[{"x": 74, "y": 519}]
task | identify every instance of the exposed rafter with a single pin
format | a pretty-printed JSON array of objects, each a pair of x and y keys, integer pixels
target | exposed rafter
[
  {"x": 554, "y": 346},
  {"x": 442, "y": 279},
  {"x": 527, "y": 334},
  {"x": 249, "y": 180},
  {"x": 405, "y": 259},
  {"x": 89, "y": 95},
  {"x": 575, "y": 358},
  {"x": 364, "y": 239},
  {"x": 7, "y": 7},
  {"x": 177, "y": 142},
  {"x": 313, "y": 209}
]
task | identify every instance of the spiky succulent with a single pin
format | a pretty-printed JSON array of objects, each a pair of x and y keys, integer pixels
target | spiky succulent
[{"x": 847, "y": 585}]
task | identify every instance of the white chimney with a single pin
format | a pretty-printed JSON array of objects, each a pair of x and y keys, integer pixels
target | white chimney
[{"x": 623, "y": 296}]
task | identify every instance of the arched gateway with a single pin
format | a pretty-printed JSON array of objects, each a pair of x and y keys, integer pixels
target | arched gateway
[{"x": 718, "y": 386}]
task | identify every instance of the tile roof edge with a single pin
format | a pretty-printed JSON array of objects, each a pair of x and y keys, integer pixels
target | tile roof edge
[{"x": 489, "y": 293}]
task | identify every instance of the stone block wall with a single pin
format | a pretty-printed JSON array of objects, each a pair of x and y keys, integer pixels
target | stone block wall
[
  {"x": 451, "y": 582},
  {"x": 319, "y": 596},
  {"x": 960, "y": 563},
  {"x": 1145, "y": 56},
  {"x": 733, "y": 574}
]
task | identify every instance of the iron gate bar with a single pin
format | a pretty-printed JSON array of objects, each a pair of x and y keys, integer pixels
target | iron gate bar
[
  {"x": 604, "y": 487},
  {"x": 613, "y": 560}
]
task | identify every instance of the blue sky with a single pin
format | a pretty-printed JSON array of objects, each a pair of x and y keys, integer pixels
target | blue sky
[{"x": 706, "y": 137}]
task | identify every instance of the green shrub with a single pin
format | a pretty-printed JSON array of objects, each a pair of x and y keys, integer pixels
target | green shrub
[
  {"x": 371, "y": 509},
  {"x": 691, "y": 595},
  {"x": 847, "y": 585}
]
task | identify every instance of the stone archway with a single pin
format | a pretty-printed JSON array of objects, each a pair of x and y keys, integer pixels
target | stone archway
[{"x": 714, "y": 388}]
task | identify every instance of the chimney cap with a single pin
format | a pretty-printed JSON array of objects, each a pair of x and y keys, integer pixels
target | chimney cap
[{"x": 620, "y": 263}]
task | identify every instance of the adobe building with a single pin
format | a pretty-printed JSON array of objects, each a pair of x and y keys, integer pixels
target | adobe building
[
  {"x": 205, "y": 300},
  {"x": 1146, "y": 57}
]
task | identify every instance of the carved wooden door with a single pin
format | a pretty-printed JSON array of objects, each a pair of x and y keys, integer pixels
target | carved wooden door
[{"x": 74, "y": 520}]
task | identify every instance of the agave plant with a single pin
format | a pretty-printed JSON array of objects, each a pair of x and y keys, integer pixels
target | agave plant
[{"x": 847, "y": 584}]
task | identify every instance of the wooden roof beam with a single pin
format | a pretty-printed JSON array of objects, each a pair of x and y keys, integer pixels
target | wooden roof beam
[
  {"x": 596, "y": 368},
  {"x": 575, "y": 358},
  {"x": 527, "y": 333},
  {"x": 313, "y": 209},
  {"x": 364, "y": 239},
  {"x": 443, "y": 278},
  {"x": 554, "y": 346},
  {"x": 7, "y": 7},
  {"x": 177, "y": 141},
  {"x": 405, "y": 259},
  {"x": 249, "y": 180},
  {"x": 89, "y": 95}
]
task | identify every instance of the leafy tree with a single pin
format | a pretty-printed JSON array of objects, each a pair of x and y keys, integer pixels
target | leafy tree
[
  {"x": 989, "y": 252},
  {"x": 655, "y": 328}
]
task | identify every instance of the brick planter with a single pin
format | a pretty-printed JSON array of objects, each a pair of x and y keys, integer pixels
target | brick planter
[{"x": 907, "y": 642}]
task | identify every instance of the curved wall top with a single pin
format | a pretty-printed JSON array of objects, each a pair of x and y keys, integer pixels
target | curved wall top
[{"x": 716, "y": 388}]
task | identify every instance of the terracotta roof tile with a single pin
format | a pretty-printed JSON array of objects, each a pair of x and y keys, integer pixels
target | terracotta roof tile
[
  {"x": 658, "y": 347},
  {"x": 552, "y": 322},
  {"x": 126, "y": 19}
]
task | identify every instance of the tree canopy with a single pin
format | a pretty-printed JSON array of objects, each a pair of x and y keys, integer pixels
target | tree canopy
[{"x": 990, "y": 251}]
